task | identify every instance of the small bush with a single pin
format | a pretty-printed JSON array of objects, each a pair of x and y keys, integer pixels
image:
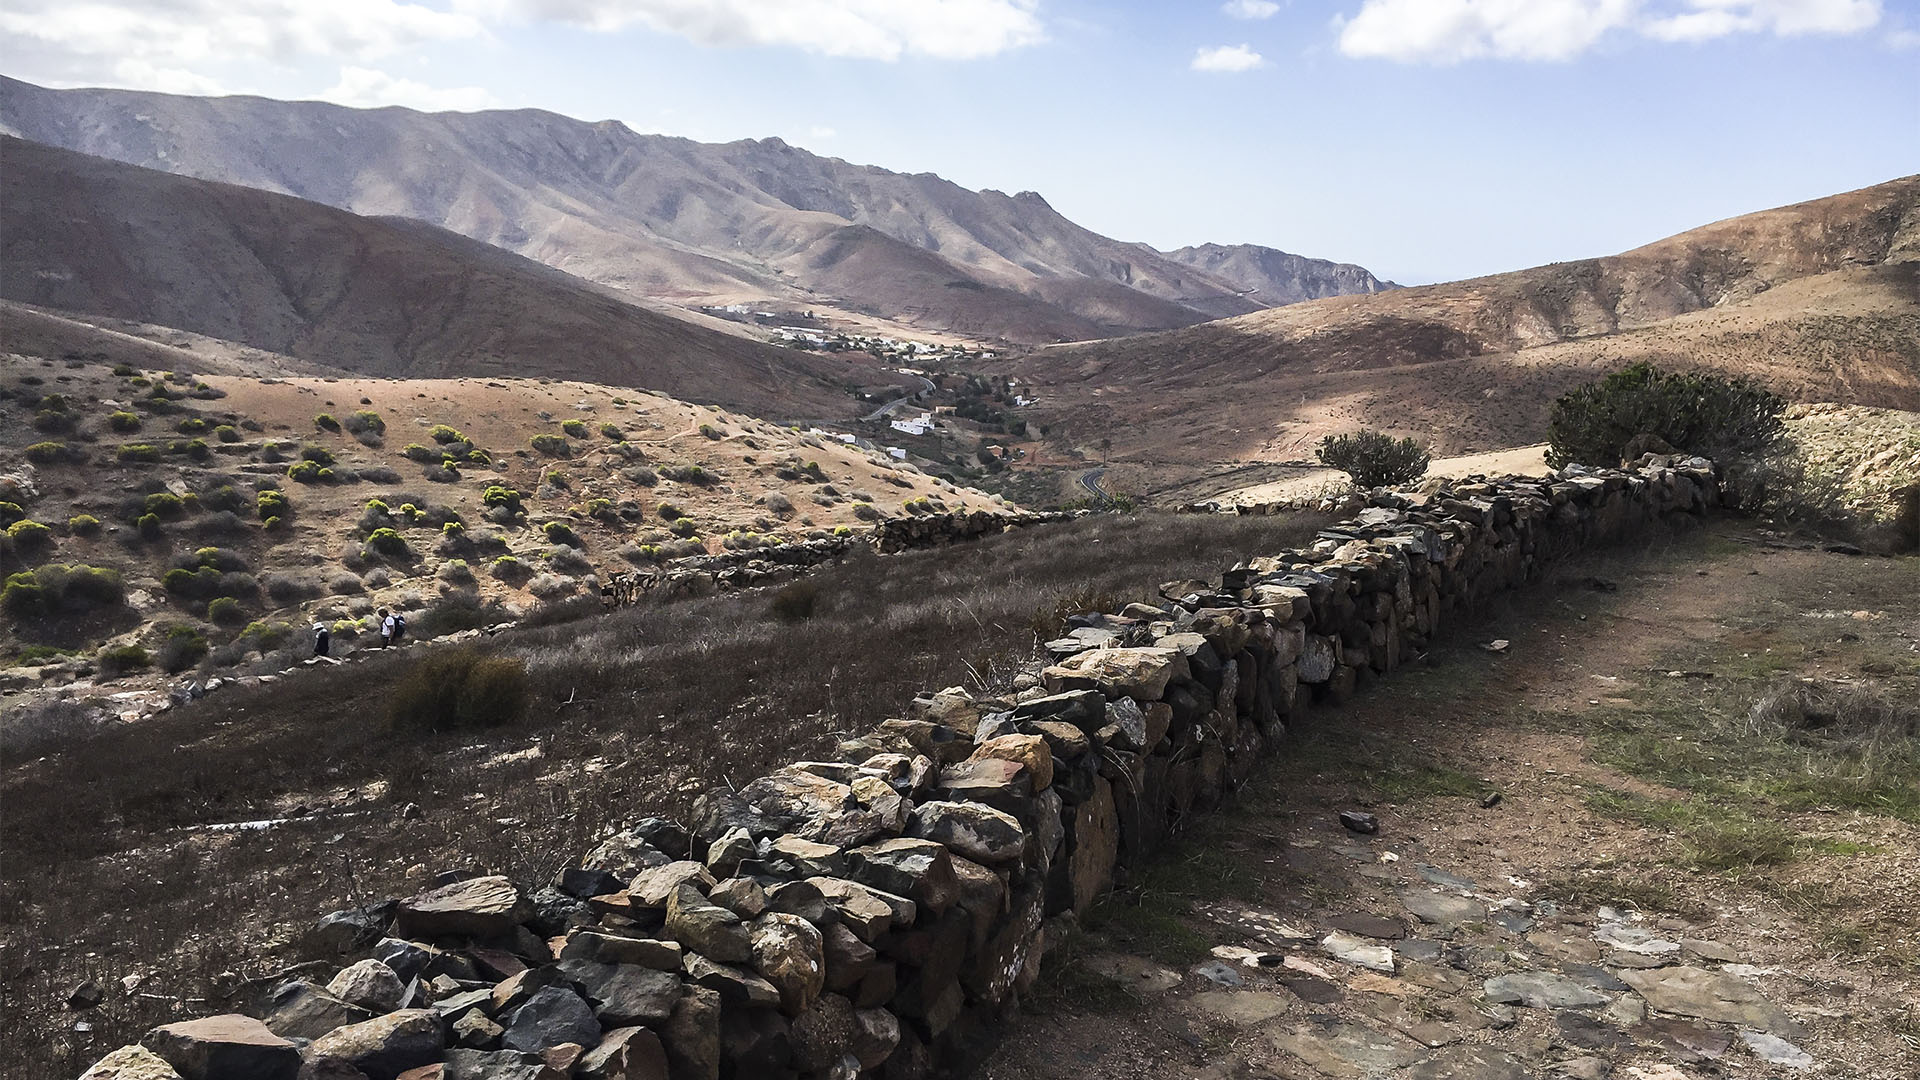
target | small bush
[
  {"x": 460, "y": 689},
  {"x": 710, "y": 431},
  {"x": 148, "y": 526},
  {"x": 574, "y": 428},
  {"x": 1374, "y": 459},
  {"x": 265, "y": 636},
  {"x": 303, "y": 472},
  {"x": 559, "y": 532},
  {"x": 11, "y": 512},
  {"x": 197, "y": 449},
  {"x": 326, "y": 422},
  {"x": 138, "y": 452},
  {"x": 558, "y": 479},
  {"x": 794, "y": 601},
  {"x": 509, "y": 568},
  {"x": 682, "y": 527},
  {"x": 30, "y": 536},
  {"x": 866, "y": 512},
  {"x": 227, "y": 433},
  {"x": 182, "y": 648},
  {"x": 319, "y": 455},
  {"x": 53, "y": 423},
  {"x": 345, "y": 585},
  {"x": 612, "y": 431},
  {"x": 453, "y": 530},
  {"x": 123, "y": 421},
  {"x": 272, "y": 503},
  {"x": 226, "y": 611},
  {"x": 290, "y": 588},
  {"x": 165, "y": 505},
  {"x": 83, "y": 525},
  {"x": 669, "y": 512},
  {"x": 505, "y": 498},
  {"x": 224, "y": 497},
  {"x": 551, "y": 445},
  {"x": 689, "y": 474},
  {"x": 456, "y": 570},
  {"x": 120, "y": 659},
  {"x": 441, "y": 433},
  {"x": 566, "y": 560},
  {"x": 47, "y": 453},
  {"x": 388, "y": 543},
  {"x": 366, "y": 422},
  {"x": 549, "y": 586},
  {"x": 192, "y": 425},
  {"x": 1634, "y": 409},
  {"x": 125, "y": 370}
]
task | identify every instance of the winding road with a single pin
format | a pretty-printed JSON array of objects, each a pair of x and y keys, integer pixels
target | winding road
[{"x": 886, "y": 410}]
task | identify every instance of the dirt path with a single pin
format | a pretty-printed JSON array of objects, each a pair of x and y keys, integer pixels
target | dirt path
[{"x": 1602, "y": 916}]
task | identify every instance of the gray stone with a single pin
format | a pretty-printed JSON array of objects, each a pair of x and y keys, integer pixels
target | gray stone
[
  {"x": 469, "y": 1064},
  {"x": 301, "y": 1010},
  {"x": 876, "y": 1033},
  {"x": 652, "y": 888},
  {"x": 131, "y": 1063},
  {"x": 789, "y": 953},
  {"x": 473, "y": 1031},
  {"x": 706, "y": 927},
  {"x": 1220, "y": 974},
  {"x": 1585, "y": 1068},
  {"x": 743, "y": 896},
  {"x": 1541, "y": 990},
  {"x": 974, "y": 830},
  {"x": 630, "y": 1053},
  {"x": 623, "y": 995},
  {"x": 1633, "y": 939},
  {"x": 734, "y": 985},
  {"x": 369, "y": 984},
  {"x": 1585, "y": 1032},
  {"x": 1776, "y": 1051},
  {"x": 385, "y": 1046},
  {"x": 1442, "y": 878},
  {"x": 1709, "y": 950},
  {"x": 1355, "y": 821},
  {"x": 604, "y": 948},
  {"x": 553, "y": 1015},
  {"x": 1712, "y": 995},
  {"x": 1358, "y": 951},
  {"x": 1469, "y": 1061},
  {"x": 1441, "y": 909},
  {"x": 1365, "y": 925},
  {"x": 1240, "y": 1008},
  {"x": 1347, "y": 1050},
  {"x": 692, "y": 1036},
  {"x": 1310, "y": 989},
  {"x": 477, "y": 907},
  {"x": 921, "y": 870},
  {"x": 227, "y": 1047}
]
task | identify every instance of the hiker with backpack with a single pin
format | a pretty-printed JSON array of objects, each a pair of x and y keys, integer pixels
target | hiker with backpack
[
  {"x": 322, "y": 639},
  {"x": 392, "y": 625}
]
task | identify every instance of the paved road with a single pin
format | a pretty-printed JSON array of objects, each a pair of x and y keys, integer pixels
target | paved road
[
  {"x": 1090, "y": 480},
  {"x": 887, "y": 409}
]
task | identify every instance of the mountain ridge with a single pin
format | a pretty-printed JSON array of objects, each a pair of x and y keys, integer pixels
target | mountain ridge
[{"x": 658, "y": 216}]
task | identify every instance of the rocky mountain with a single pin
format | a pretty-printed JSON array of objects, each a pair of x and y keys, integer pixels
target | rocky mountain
[
  {"x": 386, "y": 297},
  {"x": 755, "y": 221},
  {"x": 1820, "y": 299},
  {"x": 1272, "y": 277}
]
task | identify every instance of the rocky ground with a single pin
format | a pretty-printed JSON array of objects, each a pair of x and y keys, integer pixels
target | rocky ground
[{"x": 1593, "y": 856}]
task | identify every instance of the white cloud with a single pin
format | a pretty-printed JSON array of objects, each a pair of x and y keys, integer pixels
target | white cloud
[
  {"x": 821, "y": 131},
  {"x": 1251, "y": 9},
  {"x": 167, "y": 44},
  {"x": 867, "y": 29},
  {"x": 1903, "y": 40},
  {"x": 1228, "y": 58},
  {"x": 367, "y": 88},
  {"x": 1450, "y": 31}
]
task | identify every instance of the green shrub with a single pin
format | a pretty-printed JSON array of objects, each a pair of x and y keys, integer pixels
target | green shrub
[
  {"x": 419, "y": 453},
  {"x": 196, "y": 449},
  {"x": 456, "y": 570},
  {"x": 55, "y": 403},
  {"x": 148, "y": 525},
  {"x": 224, "y": 497},
  {"x": 366, "y": 421},
  {"x": 123, "y": 421},
  {"x": 559, "y": 532},
  {"x": 125, "y": 370},
  {"x": 510, "y": 568},
  {"x": 131, "y": 452},
  {"x": 669, "y": 512},
  {"x": 842, "y": 530},
  {"x": 459, "y": 689},
  {"x": 552, "y": 445},
  {"x": 441, "y": 433},
  {"x": 319, "y": 455},
  {"x": 866, "y": 512},
  {"x": 574, "y": 428},
  {"x": 389, "y": 543},
  {"x": 182, "y": 648},
  {"x": 501, "y": 496},
  {"x": 453, "y": 529},
  {"x": 689, "y": 474},
  {"x": 192, "y": 425},
  {"x": 710, "y": 431},
  {"x": 227, "y": 433},
  {"x": 556, "y": 478},
  {"x": 165, "y": 505},
  {"x": 53, "y": 423},
  {"x": 681, "y": 527},
  {"x": 140, "y": 380},
  {"x": 120, "y": 659},
  {"x": 612, "y": 431},
  {"x": 30, "y": 535},
  {"x": 303, "y": 472},
  {"x": 272, "y": 503},
  {"x": 326, "y": 422},
  {"x": 1641, "y": 407},
  {"x": 11, "y": 512},
  {"x": 265, "y": 636},
  {"x": 1374, "y": 459},
  {"x": 226, "y": 611},
  {"x": 46, "y": 453},
  {"x": 83, "y": 525}
]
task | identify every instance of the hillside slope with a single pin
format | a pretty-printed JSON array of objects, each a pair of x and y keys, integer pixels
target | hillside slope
[
  {"x": 381, "y": 297},
  {"x": 661, "y": 217},
  {"x": 1820, "y": 300},
  {"x": 1272, "y": 277}
]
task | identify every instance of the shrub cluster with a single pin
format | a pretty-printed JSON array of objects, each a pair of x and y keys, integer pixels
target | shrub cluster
[
  {"x": 458, "y": 689},
  {"x": 552, "y": 445},
  {"x": 57, "y": 589},
  {"x": 1642, "y": 408},
  {"x": 1374, "y": 459},
  {"x": 574, "y": 429}
]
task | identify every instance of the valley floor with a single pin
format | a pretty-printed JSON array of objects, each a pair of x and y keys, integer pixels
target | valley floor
[{"x": 1658, "y": 841}]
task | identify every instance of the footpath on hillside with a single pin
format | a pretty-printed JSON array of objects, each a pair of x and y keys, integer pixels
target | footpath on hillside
[{"x": 1646, "y": 823}]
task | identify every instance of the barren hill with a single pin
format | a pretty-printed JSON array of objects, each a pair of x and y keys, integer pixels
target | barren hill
[
  {"x": 382, "y": 297},
  {"x": 668, "y": 218},
  {"x": 1821, "y": 300},
  {"x": 1272, "y": 277}
]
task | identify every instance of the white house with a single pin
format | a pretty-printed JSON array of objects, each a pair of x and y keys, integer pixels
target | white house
[{"x": 914, "y": 425}]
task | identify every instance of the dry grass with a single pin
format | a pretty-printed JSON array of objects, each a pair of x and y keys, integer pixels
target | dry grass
[{"x": 630, "y": 713}]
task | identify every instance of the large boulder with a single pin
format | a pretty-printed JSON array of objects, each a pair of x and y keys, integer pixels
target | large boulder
[
  {"x": 1029, "y": 750},
  {"x": 692, "y": 1036},
  {"x": 972, "y": 829},
  {"x": 131, "y": 1063},
  {"x": 876, "y": 1033},
  {"x": 653, "y": 888},
  {"x": 606, "y": 948},
  {"x": 920, "y": 870},
  {"x": 624, "y": 994},
  {"x": 1139, "y": 673},
  {"x": 736, "y": 986},
  {"x": 706, "y": 927},
  {"x": 477, "y": 907},
  {"x": 823, "y": 1034},
  {"x": 384, "y": 1046},
  {"x": 631, "y": 1053},
  {"x": 301, "y": 1010},
  {"x": 369, "y": 984},
  {"x": 789, "y": 953},
  {"x": 227, "y": 1047},
  {"x": 552, "y": 1016}
]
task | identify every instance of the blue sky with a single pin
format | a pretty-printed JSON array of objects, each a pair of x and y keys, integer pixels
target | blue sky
[{"x": 1424, "y": 139}]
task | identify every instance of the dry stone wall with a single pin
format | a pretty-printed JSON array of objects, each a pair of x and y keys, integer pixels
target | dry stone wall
[{"x": 873, "y": 915}]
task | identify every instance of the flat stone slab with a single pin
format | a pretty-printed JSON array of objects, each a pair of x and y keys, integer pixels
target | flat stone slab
[
  {"x": 1712, "y": 995},
  {"x": 1358, "y": 951},
  {"x": 1311, "y": 990},
  {"x": 1134, "y": 972},
  {"x": 1347, "y": 1051},
  {"x": 1442, "y": 877},
  {"x": 1470, "y": 1062},
  {"x": 1241, "y": 1008},
  {"x": 1373, "y": 926},
  {"x": 1686, "y": 1040},
  {"x": 1776, "y": 1051},
  {"x": 1633, "y": 939},
  {"x": 1441, "y": 909},
  {"x": 1542, "y": 990}
]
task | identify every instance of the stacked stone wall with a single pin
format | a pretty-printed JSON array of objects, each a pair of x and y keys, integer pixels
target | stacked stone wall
[{"x": 875, "y": 915}]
